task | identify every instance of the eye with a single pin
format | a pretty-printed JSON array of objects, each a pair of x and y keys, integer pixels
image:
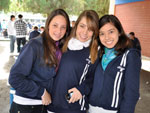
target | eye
[
  {"x": 63, "y": 27},
  {"x": 112, "y": 31},
  {"x": 82, "y": 26},
  {"x": 101, "y": 34},
  {"x": 54, "y": 25}
]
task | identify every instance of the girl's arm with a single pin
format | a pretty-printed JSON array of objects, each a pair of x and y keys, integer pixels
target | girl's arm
[
  {"x": 132, "y": 81},
  {"x": 21, "y": 70}
]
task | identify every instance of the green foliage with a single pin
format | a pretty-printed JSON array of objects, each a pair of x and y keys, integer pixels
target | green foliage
[
  {"x": 4, "y": 5},
  {"x": 16, "y": 5},
  {"x": 46, "y": 6},
  {"x": 100, "y": 6},
  {"x": 73, "y": 7}
]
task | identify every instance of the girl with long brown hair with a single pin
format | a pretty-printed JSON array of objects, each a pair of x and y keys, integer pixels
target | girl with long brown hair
[
  {"x": 74, "y": 79},
  {"x": 33, "y": 73}
]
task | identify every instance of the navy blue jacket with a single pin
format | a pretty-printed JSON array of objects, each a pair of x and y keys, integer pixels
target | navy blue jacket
[
  {"x": 29, "y": 75},
  {"x": 34, "y": 34},
  {"x": 74, "y": 65},
  {"x": 117, "y": 88}
]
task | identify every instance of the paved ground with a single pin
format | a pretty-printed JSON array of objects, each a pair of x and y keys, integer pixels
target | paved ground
[{"x": 6, "y": 62}]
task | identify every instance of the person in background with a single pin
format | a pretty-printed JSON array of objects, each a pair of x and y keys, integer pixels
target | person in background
[
  {"x": 21, "y": 32},
  {"x": 11, "y": 33},
  {"x": 73, "y": 23},
  {"x": 73, "y": 81},
  {"x": 5, "y": 33},
  {"x": 29, "y": 25},
  {"x": 36, "y": 66},
  {"x": 41, "y": 29},
  {"x": 117, "y": 76},
  {"x": 135, "y": 41},
  {"x": 34, "y": 33}
]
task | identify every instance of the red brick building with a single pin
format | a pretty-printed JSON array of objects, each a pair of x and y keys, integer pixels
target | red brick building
[{"x": 135, "y": 16}]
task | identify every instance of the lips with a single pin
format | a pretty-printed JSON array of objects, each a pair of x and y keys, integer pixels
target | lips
[
  {"x": 57, "y": 36},
  {"x": 83, "y": 36}
]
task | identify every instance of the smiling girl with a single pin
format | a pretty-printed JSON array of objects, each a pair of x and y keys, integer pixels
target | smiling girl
[
  {"x": 116, "y": 79},
  {"x": 33, "y": 73},
  {"x": 74, "y": 76}
]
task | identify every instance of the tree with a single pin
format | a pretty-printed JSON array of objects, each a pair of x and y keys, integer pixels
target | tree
[
  {"x": 46, "y": 6},
  {"x": 100, "y": 6},
  {"x": 16, "y": 5},
  {"x": 4, "y": 5},
  {"x": 72, "y": 7}
]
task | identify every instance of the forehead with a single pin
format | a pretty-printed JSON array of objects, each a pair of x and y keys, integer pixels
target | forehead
[
  {"x": 59, "y": 19},
  {"x": 107, "y": 26},
  {"x": 88, "y": 22}
]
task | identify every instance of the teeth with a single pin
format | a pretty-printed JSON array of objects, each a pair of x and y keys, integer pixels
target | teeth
[{"x": 109, "y": 42}]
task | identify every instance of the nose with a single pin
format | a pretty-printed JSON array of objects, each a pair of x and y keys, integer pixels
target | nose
[
  {"x": 58, "y": 30},
  {"x": 106, "y": 36},
  {"x": 85, "y": 31}
]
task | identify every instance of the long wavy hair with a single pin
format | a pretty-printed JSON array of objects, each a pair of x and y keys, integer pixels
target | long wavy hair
[
  {"x": 92, "y": 22},
  {"x": 48, "y": 43},
  {"x": 124, "y": 42}
]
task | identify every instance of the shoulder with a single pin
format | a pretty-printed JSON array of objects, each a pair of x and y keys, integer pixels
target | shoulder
[
  {"x": 37, "y": 32},
  {"x": 24, "y": 22},
  {"x": 38, "y": 41},
  {"x": 16, "y": 21},
  {"x": 134, "y": 51},
  {"x": 133, "y": 56}
]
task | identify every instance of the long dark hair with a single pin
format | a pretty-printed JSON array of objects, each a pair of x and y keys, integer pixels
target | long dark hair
[
  {"x": 124, "y": 42},
  {"x": 48, "y": 43},
  {"x": 92, "y": 21}
]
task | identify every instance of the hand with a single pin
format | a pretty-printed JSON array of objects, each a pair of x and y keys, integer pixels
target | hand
[
  {"x": 75, "y": 96},
  {"x": 46, "y": 98}
]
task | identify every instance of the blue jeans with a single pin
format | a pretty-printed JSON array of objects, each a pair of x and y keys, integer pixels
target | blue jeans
[{"x": 12, "y": 43}]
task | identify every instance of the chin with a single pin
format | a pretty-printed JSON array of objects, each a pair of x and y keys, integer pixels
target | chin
[
  {"x": 57, "y": 39},
  {"x": 108, "y": 46},
  {"x": 84, "y": 40}
]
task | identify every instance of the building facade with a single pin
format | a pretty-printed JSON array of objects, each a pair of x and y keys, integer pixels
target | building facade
[{"x": 134, "y": 16}]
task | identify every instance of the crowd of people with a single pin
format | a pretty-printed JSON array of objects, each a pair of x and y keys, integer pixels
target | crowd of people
[
  {"x": 19, "y": 31},
  {"x": 89, "y": 67}
]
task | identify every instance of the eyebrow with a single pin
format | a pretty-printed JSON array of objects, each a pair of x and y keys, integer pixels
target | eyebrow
[
  {"x": 83, "y": 24},
  {"x": 108, "y": 30},
  {"x": 111, "y": 29},
  {"x": 58, "y": 23}
]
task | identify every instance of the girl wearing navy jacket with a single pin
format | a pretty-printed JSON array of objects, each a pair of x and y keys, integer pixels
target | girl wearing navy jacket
[
  {"x": 32, "y": 74},
  {"x": 73, "y": 81},
  {"x": 116, "y": 79}
]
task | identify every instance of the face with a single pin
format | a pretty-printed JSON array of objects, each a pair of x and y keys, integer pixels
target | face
[
  {"x": 83, "y": 33},
  {"x": 109, "y": 35},
  {"x": 13, "y": 19},
  {"x": 131, "y": 37},
  {"x": 57, "y": 27}
]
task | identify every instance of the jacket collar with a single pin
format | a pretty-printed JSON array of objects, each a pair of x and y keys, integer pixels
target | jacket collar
[{"x": 75, "y": 44}]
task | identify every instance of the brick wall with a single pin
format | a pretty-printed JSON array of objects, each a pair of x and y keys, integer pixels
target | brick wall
[{"x": 135, "y": 17}]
